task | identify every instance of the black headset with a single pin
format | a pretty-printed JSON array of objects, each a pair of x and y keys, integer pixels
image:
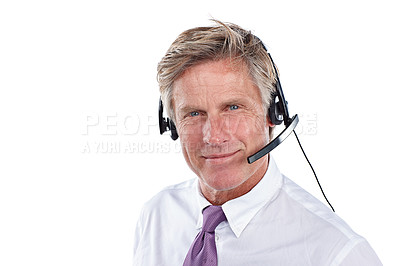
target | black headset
[
  {"x": 166, "y": 124},
  {"x": 278, "y": 112}
]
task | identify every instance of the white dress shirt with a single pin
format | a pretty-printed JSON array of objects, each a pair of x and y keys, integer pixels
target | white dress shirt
[{"x": 276, "y": 223}]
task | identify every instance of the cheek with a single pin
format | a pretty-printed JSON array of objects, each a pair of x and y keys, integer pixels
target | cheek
[
  {"x": 189, "y": 131},
  {"x": 190, "y": 136},
  {"x": 249, "y": 125}
]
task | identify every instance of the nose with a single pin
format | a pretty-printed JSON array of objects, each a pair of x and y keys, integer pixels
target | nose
[{"x": 215, "y": 130}]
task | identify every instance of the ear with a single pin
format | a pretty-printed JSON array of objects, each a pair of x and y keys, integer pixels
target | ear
[{"x": 269, "y": 122}]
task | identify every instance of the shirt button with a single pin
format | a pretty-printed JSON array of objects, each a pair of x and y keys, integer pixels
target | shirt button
[{"x": 216, "y": 237}]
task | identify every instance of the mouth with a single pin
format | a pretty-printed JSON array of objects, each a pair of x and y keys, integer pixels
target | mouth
[{"x": 218, "y": 158}]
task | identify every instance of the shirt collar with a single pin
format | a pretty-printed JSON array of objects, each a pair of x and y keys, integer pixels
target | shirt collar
[
  {"x": 202, "y": 203},
  {"x": 241, "y": 210}
]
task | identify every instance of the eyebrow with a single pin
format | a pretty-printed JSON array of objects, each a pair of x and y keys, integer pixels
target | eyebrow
[
  {"x": 234, "y": 100},
  {"x": 230, "y": 101},
  {"x": 185, "y": 109}
]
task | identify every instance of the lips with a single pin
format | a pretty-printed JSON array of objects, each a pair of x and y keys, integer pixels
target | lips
[{"x": 219, "y": 157}]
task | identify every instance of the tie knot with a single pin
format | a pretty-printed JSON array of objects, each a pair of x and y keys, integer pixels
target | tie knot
[{"x": 212, "y": 217}]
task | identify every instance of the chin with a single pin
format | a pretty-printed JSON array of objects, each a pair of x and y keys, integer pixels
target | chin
[{"x": 224, "y": 181}]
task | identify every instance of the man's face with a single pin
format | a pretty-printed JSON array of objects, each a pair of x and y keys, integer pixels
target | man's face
[{"x": 220, "y": 121}]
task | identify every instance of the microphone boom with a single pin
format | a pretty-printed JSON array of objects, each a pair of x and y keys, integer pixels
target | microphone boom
[{"x": 275, "y": 142}]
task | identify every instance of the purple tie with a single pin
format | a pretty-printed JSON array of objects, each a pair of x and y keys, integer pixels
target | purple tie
[{"x": 203, "y": 250}]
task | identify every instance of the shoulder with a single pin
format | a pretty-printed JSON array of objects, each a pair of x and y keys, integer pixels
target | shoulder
[
  {"x": 180, "y": 190},
  {"x": 310, "y": 208},
  {"x": 327, "y": 235},
  {"x": 161, "y": 219},
  {"x": 171, "y": 197}
]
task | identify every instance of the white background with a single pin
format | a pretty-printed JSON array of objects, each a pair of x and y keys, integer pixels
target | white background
[{"x": 67, "y": 65}]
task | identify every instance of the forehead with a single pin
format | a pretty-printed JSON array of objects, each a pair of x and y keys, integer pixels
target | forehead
[{"x": 214, "y": 79}]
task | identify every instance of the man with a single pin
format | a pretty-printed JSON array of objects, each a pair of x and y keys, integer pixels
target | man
[{"x": 217, "y": 84}]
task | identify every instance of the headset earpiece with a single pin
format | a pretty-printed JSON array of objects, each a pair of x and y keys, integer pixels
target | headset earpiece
[
  {"x": 275, "y": 110},
  {"x": 174, "y": 132},
  {"x": 166, "y": 124}
]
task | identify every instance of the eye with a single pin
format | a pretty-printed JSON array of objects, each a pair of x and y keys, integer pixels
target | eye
[
  {"x": 194, "y": 113},
  {"x": 233, "y": 107}
]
